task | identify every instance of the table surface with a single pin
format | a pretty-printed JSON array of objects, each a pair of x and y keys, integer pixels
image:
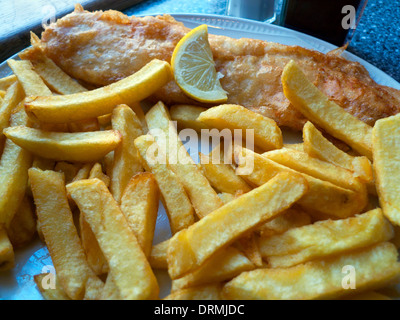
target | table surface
[{"x": 376, "y": 40}]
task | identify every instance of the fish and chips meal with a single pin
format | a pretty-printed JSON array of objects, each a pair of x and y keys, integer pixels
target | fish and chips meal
[{"x": 94, "y": 123}]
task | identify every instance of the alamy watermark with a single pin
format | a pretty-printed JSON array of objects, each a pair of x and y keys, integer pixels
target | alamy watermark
[
  {"x": 49, "y": 15},
  {"x": 349, "y": 20},
  {"x": 225, "y": 144},
  {"x": 349, "y": 280},
  {"x": 49, "y": 280}
]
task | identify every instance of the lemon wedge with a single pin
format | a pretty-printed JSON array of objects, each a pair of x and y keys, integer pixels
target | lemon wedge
[{"x": 194, "y": 70}]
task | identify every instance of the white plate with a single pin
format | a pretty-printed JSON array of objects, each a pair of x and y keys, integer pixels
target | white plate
[{"x": 18, "y": 284}]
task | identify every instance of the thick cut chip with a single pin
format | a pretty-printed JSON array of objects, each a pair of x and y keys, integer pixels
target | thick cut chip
[
  {"x": 203, "y": 197},
  {"x": 386, "y": 150},
  {"x": 372, "y": 267},
  {"x": 317, "y": 146},
  {"x": 186, "y": 116},
  {"x": 139, "y": 204},
  {"x": 49, "y": 287},
  {"x": 55, "y": 127},
  {"x": 138, "y": 110},
  {"x": 94, "y": 255},
  {"x": 60, "y": 234},
  {"x": 56, "y": 79},
  {"x": 158, "y": 255},
  {"x": 126, "y": 159},
  {"x": 226, "y": 197},
  {"x": 176, "y": 202},
  {"x": 191, "y": 247},
  {"x": 127, "y": 263},
  {"x": 6, "y": 82},
  {"x": 91, "y": 104},
  {"x": 97, "y": 172},
  {"x": 70, "y": 170},
  {"x": 302, "y": 162},
  {"x": 316, "y": 107},
  {"x": 222, "y": 176},
  {"x": 14, "y": 165},
  {"x": 23, "y": 226},
  {"x": 223, "y": 266},
  {"x": 294, "y": 146},
  {"x": 111, "y": 291},
  {"x": 205, "y": 292},
  {"x": 267, "y": 134},
  {"x": 291, "y": 218},
  {"x": 43, "y": 163},
  {"x": 83, "y": 172},
  {"x": 323, "y": 196},
  {"x": 75, "y": 147},
  {"x": 6, "y": 251},
  {"x": 79, "y": 126},
  {"x": 326, "y": 238},
  {"x": 13, "y": 97},
  {"x": 31, "y": 82},
  {"x": 248, "y": 244},
  {"x": 105, "y": 121}
]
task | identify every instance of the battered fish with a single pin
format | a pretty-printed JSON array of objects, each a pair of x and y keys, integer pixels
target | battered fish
[{"x": 102, "y": 47}]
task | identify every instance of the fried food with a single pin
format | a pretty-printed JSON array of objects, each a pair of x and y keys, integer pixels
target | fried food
[
  {"x": 203, "y": 197},
  {"x": 31, "y": 82},
  {"x": 56, "y": 79},
  {"x": 322, "y": 279},
  {"x": 70, "y": 170},
  {"x": 7, "y": 258},
  {"x": 14, "y": 95},
  {"x": 78, "y": 146},
  {"x": 158, "y": 255},
  {"x": 139, "y": 204},
  {"x": 23, "y": 225},
  {"x": 272, "y": 225},
  {"x": 83, "y": 125},
  {"x": 386, "y": 139},
  {"x": 267, "y": 134},
  {"x": 326, "y": 238},
  {"x": 128, "y": 265},
  {"x": 6, "y": 82},
  {"x": 186, "y": 116},
  {"x": 97, "y": 172},
  {"x": 114, "y": 46},
  {"x": 94, "y": 255},
  {"x": 14, "y": 165},
  {"x": 317, "y": 146},
  {"x": 176, "y": 202},
  {"x": 302, "y": 162},
  {"x": 101, "y": 101},
  {"x": 223, "y": 266},
  {"x": 317, "y": 107},
  {"x": 291, "y": 218},
  {"x": 126, "y": 159},
  {"x": 73, "y": 271},
  {"x": 56, "y": 293},
  {"x": 323, "y": 197},
  {"x": 190, "y": 248},
  {"x": 222, "y": 176}
]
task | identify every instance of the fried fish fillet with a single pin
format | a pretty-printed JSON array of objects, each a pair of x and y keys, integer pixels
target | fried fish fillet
[{"x": 102, "y": 47}]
